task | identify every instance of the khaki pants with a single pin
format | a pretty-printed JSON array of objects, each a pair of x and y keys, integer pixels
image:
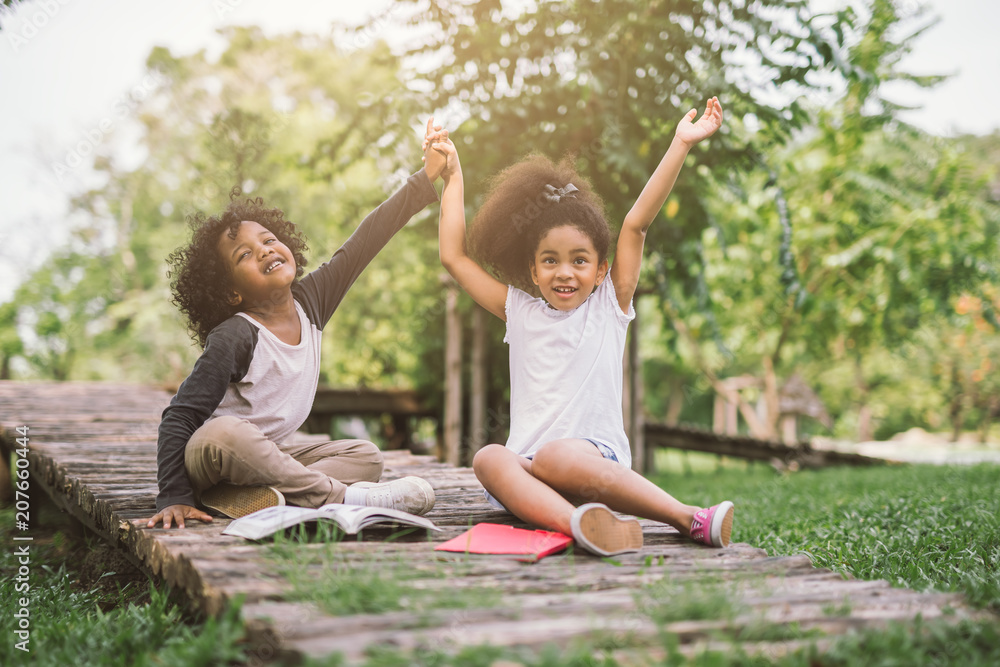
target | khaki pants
[{"x": 228, "y": 449}]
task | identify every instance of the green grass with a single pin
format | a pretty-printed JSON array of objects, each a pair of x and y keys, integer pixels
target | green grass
[
  {"x": 341, "y": 583},
  {"x": 69, "y": 626},
  {"x": 898, "y": 645},
  {"x": 666, "y": 600},
  {"x": 921, "y": 526}
]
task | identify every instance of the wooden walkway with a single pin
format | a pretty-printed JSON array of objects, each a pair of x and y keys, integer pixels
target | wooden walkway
[{"x": 92, "y": 448}]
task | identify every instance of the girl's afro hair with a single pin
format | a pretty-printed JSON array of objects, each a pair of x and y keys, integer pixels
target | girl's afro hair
[
  {"x": 201, "y": 281},
  {"x": 518, "y": 213}
]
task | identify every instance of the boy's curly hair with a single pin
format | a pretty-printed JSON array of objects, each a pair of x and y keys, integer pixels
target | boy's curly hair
[
  {"x": 201, "y": 281},
  {"x": 516, "y": 215}
]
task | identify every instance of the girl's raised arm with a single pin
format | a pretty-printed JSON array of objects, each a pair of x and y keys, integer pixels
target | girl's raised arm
[
  {"x": 628, "y": 256},
  {"x": 486, "y": 290}
]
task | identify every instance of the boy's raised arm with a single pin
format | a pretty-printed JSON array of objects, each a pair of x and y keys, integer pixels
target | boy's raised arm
[
  {"x": 628, "y": 256},
  {"x": 486, "y": 290}
]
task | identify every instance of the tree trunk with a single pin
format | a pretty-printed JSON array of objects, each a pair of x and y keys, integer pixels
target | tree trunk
[
  {"x": 6, "y": 483},
  {"x": 634, "y": 415},
  {"x": 865, "y": 428},
  {"x": 477, "y": 408},
  {"x": 131, "y": 279},
  {"x": 772, "y": 401},
  {"x": 956, "y": 407},
  {"x": 453, "y": 377},
  {"x": 676, "y": 403},
  {"x": 990, "y": 407},
  {"x": 866, "y": 432},
  {"x": 957, "y": 415}
]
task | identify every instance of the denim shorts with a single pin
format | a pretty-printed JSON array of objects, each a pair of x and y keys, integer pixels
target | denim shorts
[{"x": 605, "y": 450}]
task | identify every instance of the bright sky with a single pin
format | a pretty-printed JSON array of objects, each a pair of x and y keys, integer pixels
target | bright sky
[{"x": 65, "y": 71}]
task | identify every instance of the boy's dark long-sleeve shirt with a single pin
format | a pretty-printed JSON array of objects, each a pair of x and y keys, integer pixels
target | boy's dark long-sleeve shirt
[{"x": 247, "y": 372}]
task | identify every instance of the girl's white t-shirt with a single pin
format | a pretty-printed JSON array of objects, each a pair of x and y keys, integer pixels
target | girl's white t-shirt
[{"x": 566, "y": 371}]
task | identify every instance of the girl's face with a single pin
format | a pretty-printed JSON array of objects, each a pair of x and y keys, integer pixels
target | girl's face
[
  {"x": 566, "y": 267},
  {"x": 261, "y": 266}
]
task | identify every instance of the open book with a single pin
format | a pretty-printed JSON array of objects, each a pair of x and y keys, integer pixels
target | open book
[{"x": 350, "y": 518}]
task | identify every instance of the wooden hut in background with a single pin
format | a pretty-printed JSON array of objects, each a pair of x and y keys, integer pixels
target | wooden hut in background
[{"x": 796, "y": 399}]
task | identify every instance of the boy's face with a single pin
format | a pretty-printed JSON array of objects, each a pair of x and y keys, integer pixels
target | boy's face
[
  {"x": 259, "y": 263},
  {"x": 566, "y": 267}
]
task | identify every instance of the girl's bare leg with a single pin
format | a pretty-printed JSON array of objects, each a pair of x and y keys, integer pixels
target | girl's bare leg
[
  {"x": 576, "y": 469},
  {"x": 509, "y": 478}
]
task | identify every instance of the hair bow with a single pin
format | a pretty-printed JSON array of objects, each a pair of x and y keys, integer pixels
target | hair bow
[{"x": 554, "y": 194}]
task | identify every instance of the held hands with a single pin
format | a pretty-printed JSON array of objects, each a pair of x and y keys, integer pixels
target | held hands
[
  {"x": 438, "y": 147},
  {"x": 434, "y": 161},
  {"x": 692, "y": 132},
  {"x": 177, "y": 514}
]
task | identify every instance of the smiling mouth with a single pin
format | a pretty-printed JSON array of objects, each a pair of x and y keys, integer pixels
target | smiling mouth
[
  {"x": 274, "y": 264},
  {"x": 564, "y": 290}
]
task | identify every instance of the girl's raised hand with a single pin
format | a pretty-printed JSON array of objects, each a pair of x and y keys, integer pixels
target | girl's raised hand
[
  {"x": 446, "y": 147},
  {"x": 692, "y": 132},
  {"x": 434, "y": 161}
]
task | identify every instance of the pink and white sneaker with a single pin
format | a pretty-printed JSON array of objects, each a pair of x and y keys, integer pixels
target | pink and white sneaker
[{"x": 713, "y": 525}]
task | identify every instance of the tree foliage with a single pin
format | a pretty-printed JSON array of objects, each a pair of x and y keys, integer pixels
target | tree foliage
[
  {"x": 889, "y": 227},
  {"x": 608, "y": 81},
  {"x": 324, "y": 134}
]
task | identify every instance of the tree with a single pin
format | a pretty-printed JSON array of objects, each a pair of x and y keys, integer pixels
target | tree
[
  {"x": 890, "y": 227},
  {"x": 886, "y": 240},
  {"x": 321, "y": 133},
  {"x": 609, "y": 81}
]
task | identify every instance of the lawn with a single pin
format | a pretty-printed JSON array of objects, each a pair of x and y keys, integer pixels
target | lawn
[
  {"x": 920, "y": 526},
  {"x": 75, "y": 619}
]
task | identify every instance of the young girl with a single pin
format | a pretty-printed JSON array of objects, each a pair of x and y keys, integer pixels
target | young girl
[
  {"x": 226, "y": 439},
  {"x": 541, "y": 228}
]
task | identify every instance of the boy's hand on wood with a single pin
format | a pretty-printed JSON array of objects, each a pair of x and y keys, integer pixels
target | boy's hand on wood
[
  {"x": 176, "y": 514},
  {"x": 692, "y": 132}
]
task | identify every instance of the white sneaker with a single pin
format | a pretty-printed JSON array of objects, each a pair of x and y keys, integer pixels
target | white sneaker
[
  {"x": 409, "y": 494},
  {"x": 599, "y": 531}
]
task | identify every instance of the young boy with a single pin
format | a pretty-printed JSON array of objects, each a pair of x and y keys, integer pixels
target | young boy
[{"x": 226, "y": 441}]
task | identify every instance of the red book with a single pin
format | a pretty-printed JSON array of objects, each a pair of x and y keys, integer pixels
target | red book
[{"x": 493, "y": 538}]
